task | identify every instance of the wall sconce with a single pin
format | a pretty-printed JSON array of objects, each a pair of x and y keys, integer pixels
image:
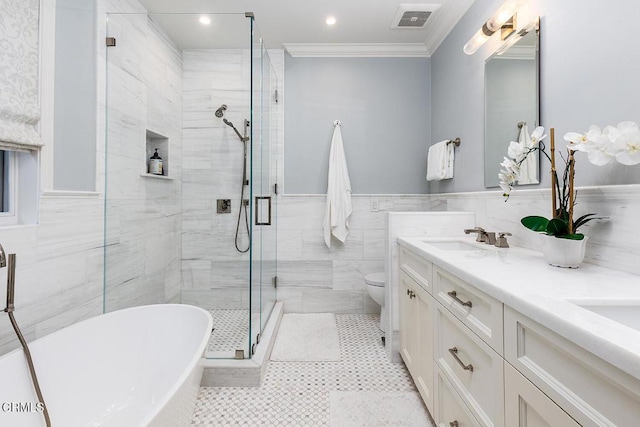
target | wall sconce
[{"x": 503, "y": 19}]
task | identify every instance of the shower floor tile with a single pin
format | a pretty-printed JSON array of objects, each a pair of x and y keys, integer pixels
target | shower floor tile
[
  {"x": 299, "y": 393},
  {"x": 230, "y": 332}
]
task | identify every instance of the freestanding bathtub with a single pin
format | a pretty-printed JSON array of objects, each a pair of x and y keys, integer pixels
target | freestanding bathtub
[{"x": 139, "y": 366}]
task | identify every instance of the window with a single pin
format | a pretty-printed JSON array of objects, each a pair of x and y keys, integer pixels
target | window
[{"x": 7, "y": 188}]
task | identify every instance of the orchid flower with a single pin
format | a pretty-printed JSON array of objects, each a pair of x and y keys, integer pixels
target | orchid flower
[
  {"x": 627, "y": 144},
  {"x": 538, "y": 135},
  {"x": 517, "y": 150}
]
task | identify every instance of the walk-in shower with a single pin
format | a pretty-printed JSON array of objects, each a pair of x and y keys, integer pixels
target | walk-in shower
[{"x": 178, "y": 86}]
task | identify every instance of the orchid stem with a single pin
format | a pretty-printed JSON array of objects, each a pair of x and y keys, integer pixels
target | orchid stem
[{"x": 554, "y": 178}]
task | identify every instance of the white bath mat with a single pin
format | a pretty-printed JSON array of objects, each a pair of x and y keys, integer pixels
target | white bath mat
[
  {"x": 377, "y": 409},
  {"x": 307, "y": 338}
]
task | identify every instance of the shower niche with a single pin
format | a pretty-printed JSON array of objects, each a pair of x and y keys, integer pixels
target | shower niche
[{"x": 160, "y": 143}]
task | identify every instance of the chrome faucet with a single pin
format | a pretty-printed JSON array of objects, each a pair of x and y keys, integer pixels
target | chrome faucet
[{"x": 482, "y": 234}]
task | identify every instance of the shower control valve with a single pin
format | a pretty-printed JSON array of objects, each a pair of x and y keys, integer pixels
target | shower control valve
[{"x": 223, "y": 206}]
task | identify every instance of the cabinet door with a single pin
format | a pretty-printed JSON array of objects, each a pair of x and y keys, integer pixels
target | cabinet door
[
  {"x": 409, "y": 333},
  {"x": 527, "y": 406},
  {"x": 424, "y": 379},
  {"x": 416, "y": 335}
]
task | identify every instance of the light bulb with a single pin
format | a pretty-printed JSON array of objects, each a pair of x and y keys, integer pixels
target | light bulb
[
  {"x": 502, "y": 15},
  {"x": 330, "y": 20},
  {"x": 205, "y": 20},
  {"x": 476, "y": 41}
]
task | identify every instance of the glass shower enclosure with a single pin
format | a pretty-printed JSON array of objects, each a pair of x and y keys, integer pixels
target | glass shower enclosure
[{"x": 190, "y": 206}]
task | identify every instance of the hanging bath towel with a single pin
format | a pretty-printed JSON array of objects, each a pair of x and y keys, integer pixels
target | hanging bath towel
[
  {"x": 529, "y": 167},
  {"x": 338, "y": 208},
  {"x": 440, "y": 161}
]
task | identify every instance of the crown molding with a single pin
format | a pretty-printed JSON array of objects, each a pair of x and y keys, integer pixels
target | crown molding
[{"x": 358, "y": 50}]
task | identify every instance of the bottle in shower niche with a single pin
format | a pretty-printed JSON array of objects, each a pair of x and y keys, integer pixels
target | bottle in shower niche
[{"x": 155, "y": 164}]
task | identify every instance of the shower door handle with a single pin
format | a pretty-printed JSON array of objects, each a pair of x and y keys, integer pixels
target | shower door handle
[{"x": 263, "y": 210}]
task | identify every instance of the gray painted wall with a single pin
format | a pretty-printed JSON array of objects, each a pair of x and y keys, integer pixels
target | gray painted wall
[
  {"x": 384, "y": 105},
  {"x": 588, "y": 76},
  {"x": 75, "y": 96}
]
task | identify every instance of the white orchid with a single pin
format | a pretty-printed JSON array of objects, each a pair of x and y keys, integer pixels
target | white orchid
[
  {"x": 510, "y": 166},
  {"x": 602, "y": 146},
  {"x": 537, "y": 135},
  {"x": 627, "y": 144},
  {"x": 517, "y": 152}
]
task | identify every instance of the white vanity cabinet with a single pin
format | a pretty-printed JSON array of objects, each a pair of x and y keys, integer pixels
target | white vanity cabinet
[
  {"x": 452, "y": 339},
  {"x": 438, "y": 348}
]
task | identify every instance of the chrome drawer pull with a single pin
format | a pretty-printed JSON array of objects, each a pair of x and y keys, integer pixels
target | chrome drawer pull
[
  {"x": 454, "y": 353},
  {"x": 412, "y": 295},
  {"x": 453, "y": 424},
  {"x": 454, "y": 295}
]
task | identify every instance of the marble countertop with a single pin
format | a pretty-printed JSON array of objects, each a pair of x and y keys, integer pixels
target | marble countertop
[{"x": 521, "y": 279}]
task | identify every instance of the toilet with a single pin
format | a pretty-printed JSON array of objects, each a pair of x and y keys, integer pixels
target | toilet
[{"x": 375, "y": 286}]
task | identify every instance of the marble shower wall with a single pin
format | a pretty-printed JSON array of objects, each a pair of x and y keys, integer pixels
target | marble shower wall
[
  {"x": 143, "y": 218},
  {"x": 214, "y": 274}
]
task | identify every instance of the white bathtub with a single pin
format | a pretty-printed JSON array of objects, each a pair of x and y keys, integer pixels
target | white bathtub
[{"x": 140, "y": 366}]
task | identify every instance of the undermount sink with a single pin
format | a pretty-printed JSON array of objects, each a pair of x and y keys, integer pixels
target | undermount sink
[{"x": 624, "y": 312}]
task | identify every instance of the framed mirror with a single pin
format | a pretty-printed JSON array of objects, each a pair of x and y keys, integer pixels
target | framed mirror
[{"x": 512, "y": 104}]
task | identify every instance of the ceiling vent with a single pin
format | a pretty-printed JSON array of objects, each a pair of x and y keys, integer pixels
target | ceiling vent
[{"x": 413, "y": 16}]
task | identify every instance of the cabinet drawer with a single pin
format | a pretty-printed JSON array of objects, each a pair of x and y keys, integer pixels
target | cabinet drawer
[
  {"x": 450, "y": 410},
  {"x": 417, "y": 268},
  {"x": 592, "y": 391},
  {"x": 474, "y": 369},
  {"x": 479, "y": 311},
  {"x": 526, "y": 406}
]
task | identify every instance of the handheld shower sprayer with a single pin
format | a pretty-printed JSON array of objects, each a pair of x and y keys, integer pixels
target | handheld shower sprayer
[{"x": 220, "y": 111}]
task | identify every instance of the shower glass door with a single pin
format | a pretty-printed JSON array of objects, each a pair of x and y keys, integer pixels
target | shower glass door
[
  {"x": 264, "y": 169},
  {"x": 201, "y": 94}
]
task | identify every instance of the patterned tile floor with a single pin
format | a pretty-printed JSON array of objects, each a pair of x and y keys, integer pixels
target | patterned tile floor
[
  {"x": 297, "y": 393},
  {"x": 230, "y": 332}
]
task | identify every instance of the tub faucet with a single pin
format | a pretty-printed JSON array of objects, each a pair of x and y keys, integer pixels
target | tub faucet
[{"x": 3, "y": 258}]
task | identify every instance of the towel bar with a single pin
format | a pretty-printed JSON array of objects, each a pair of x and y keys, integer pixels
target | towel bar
[{"x": 455, "y": 142}]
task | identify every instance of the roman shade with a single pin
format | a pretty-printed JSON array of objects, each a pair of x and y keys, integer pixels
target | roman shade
[{"x": 19, "y": 88}]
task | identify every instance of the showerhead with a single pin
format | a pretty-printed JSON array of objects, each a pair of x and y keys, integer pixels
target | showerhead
[{"x": 220, "y": 111}]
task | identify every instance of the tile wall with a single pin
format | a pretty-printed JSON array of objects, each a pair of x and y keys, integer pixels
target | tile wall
[
  {"x": 143, "y": 213},
  {"x": 314, "y": 278}
]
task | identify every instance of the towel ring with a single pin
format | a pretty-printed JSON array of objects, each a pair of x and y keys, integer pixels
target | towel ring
[{"x": 337, "y": 123}]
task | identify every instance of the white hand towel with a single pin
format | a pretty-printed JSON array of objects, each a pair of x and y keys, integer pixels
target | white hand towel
[
  {"x": 529, "y": 167},
  {"x": 440, "y": 161},
  {"x": 338, "y": 205}
]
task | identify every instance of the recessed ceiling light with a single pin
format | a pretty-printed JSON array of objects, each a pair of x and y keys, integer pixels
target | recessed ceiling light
[
  {"x": 205, "y": 20},
  {"x": 330, "y": 20}
]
